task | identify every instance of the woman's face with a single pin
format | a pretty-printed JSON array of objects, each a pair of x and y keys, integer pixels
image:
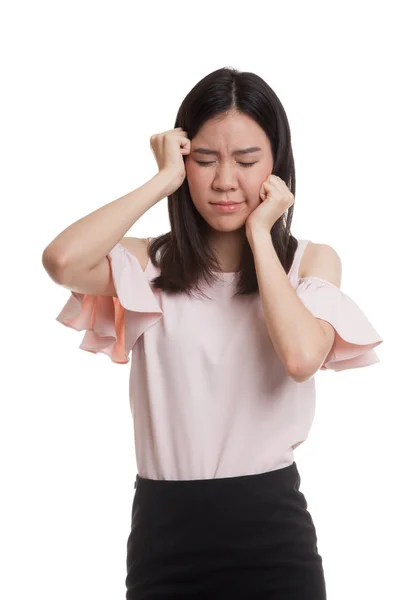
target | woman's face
[{"x": 229, "y": 176}]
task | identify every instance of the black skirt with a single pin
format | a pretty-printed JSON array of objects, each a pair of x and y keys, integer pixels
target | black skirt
[{"x": 234, "y": 537}]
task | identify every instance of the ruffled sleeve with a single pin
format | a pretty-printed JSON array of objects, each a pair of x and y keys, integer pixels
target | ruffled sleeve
[
  {"x": 355, "y": 337},
  {"x": 113, "y": 324}
]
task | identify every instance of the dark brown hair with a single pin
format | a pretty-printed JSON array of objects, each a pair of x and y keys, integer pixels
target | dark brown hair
[{"x": 185, "y": 256}]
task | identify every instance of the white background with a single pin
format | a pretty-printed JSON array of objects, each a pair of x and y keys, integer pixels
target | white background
[{"x": 85, "y": 84}]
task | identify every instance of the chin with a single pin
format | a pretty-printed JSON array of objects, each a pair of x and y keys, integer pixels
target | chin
[{"x": 226, "y": 227}]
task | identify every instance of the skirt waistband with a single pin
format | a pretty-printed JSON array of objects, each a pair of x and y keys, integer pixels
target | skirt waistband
[{"x": 286, "y": 478}]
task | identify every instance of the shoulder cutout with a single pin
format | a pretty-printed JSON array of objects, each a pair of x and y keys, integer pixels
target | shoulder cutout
[
  {"x": 321, "y": 260},
  {"x": 139, "y": 248}
]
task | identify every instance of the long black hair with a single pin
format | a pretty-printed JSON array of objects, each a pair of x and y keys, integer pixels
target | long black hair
[{"x": 183, "y": 254}]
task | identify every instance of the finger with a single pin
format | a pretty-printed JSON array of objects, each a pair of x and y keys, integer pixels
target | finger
[
  {"x": 275, "y": 181},
  {"x": 185, "y": 145},
  {"x": 266, "y": 187}
]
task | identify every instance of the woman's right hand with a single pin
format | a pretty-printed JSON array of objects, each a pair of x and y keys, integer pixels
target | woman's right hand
[{"x": 168, "y": 148}]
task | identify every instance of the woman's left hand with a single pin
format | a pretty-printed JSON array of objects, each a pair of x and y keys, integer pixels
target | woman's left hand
[{"x": 275, "y": 198}]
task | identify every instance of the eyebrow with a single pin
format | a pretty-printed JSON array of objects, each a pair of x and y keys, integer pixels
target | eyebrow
[{"x": 244, "y": 151}]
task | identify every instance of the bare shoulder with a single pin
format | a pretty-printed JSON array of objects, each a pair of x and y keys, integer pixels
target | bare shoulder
[
  {"x": 321, "y": 260},
  {"x": 138, "y": 247}
]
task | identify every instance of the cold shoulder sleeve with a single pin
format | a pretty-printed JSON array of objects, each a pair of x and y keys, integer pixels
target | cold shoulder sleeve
[
  {"x": 113, "y": 324},
  {"x": 355, "y": 337}
]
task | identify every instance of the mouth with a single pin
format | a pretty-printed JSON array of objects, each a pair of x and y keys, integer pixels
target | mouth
[
  {"x": 225, "y": 203},
  {"x": 226, "y": 206}
]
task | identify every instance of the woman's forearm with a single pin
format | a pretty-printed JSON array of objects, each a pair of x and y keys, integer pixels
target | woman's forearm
[
  {"x": 293, "y": 330},
  {"x": 88, "y": 240}
]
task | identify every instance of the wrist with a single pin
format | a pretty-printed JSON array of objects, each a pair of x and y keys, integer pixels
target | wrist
[
  {"x": 162, "y": 182},
  {"x": 254, "y": 233}
]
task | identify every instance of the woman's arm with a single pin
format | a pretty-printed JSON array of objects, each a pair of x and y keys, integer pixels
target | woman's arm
[{"x": 301, "y": 340}]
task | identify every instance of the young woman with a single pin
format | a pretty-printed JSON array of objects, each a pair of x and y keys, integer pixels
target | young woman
[{"x": 227, "y": 318}]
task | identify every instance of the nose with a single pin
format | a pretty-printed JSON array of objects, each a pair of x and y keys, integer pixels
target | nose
[{"x": 225, "y": 178}]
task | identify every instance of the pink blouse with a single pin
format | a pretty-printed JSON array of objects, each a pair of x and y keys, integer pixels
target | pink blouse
[{"x": 208, "y": 394}]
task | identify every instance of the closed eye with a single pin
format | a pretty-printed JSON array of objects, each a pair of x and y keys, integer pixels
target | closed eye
[{"x": 240, "y": 163}]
